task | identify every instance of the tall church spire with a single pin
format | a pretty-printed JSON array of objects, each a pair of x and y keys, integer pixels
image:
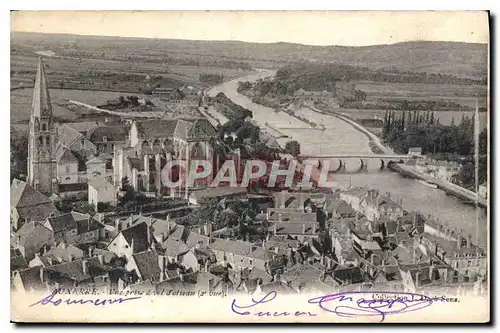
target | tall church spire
[{"x": 41, "y": 98}]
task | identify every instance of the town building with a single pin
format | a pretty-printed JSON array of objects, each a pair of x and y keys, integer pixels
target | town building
[
  {"x": 101, "y": 192},
  {"x": 27, "y": 205}
]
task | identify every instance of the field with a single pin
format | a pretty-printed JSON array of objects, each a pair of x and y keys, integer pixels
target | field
[
  {"x": 461, "y": 94},
  {"x": 445, "y": 117},
  {"x": 21, "y": 99}
]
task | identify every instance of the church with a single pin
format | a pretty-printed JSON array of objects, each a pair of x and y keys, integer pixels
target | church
[{"x": 64, "y": 158}]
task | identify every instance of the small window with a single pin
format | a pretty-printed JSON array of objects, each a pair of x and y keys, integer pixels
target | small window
[
  {"x": 44, "y": 127},
  {"x": 40, "y": 141},
  {"x": 104, "y": 139},
  {"x": 82, "y": 142}
]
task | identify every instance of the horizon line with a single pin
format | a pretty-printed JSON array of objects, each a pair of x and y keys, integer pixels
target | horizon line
[{"x": 242, "y": 41}]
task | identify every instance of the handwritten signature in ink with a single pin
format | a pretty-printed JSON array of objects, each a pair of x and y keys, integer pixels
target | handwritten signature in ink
[
  {"x": 371, "y": 303},
  {"x": 251, "y": 309},
  {"x": 56, "y": 301}
]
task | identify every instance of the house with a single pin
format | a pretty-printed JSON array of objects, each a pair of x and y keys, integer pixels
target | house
[
  {"x": 239, "y": 254},
  {"x": 374, "y": 206},
  {"x": 134, "y": 239},
  {"x": 57, "y": 255},
  {"x": 296, "y": 230},
  {"x": 64, "y": 228},
  {"x": 174, "y": 249},
  {"x": 33, "y": 237},
  {"x": 30, "y": 279},
  {"x": 27, "y": 204},
  {"x": 96, "y": 168},
  {"x": 147, "y": 265},
  {"x": 465, "y": 258},
  {"x": 68, "y": 166},
  {"x": 483, "y": 190},
  {"x": 17, "y": 260},
  {"x": 415, "y": 151},
  {"x": 82, "y": 273},
  {"x": 89, "y": 230},
  {"x": 101, "y": 191},
  {"x": 354, "y": 196},
  {"x": 108, "y": 136}
]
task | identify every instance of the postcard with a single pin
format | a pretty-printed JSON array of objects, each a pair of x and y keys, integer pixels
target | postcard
[{"x": 250, "y": 167}]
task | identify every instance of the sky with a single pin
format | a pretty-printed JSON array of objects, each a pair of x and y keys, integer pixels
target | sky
[{"x": 348, "y": 28}]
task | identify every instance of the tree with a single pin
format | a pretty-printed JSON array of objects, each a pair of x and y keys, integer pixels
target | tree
[
  {"x": 292, "y": 148},
  {"x": 18, "y": 154}
]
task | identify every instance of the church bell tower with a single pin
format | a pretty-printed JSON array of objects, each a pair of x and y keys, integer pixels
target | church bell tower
[{"x": 42, "y": 134}]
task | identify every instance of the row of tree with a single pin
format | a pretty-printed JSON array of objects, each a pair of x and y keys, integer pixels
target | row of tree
[{"x": 454, "y": 142}]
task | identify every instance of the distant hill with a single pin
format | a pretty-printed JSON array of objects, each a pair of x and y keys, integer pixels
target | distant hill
[{"x": 460, "y": 59}]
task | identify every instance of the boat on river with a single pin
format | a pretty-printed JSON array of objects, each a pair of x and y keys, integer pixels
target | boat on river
[{"x": 423, "y": 182}]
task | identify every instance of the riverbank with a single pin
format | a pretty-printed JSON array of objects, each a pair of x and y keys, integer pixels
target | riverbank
[{"x": 469, "y": 197}]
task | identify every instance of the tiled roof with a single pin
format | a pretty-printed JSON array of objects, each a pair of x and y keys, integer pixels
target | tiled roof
[
  {"x": 67, "y": 253},
  {"x": 156, "y": 128},
  {"x": 232, "y": 246},
  {"x": 67, "y": 135},
  {"x": 83, "y": 126},
  {"x": 295, "y": 228},
  {"x": 88, "y": 225},
  {"x": 62, "y": 222},
  {"x": 23, "y": 195},
  {"x": 147, "y": 264},
  {"x": 138, "y": 233},
  {"x": 74, "y": 270},
  {"x": 64, "y": 155},
  {"x": 18, "y": 262},
  {"x": 200, "y": 129},
  {"x": 173, "y": 247},
  {"x": 31, "y": 278},
  {"x": 32, "y": 230},
  {"x": 350, "y": 275},
  {"x": 113, "y": 133}
]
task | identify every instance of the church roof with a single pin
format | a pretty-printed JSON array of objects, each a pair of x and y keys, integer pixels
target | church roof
[
  {"x": 41, "y": 97},
  {"x": 64, "y": 155},
  {"x": 67, "y": 135},
  {"x": 113, "y": 133},
  {"x": 154, "y": 128}
]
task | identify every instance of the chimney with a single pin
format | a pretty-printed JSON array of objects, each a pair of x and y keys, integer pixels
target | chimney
[
  {"x": 274, "y": 228},
  {"x": 101, "y": 259},
  {"x": 130, "y": 221},
  {"x": 314, "y": 228},
  {"x": 469, "y": 241},
  {"x": 84, "y": 267},
  {"x": 90, "y": 252},
  {"x": 148, "y": 228},
  {"x": 417, "y": 279},
  {"x": 206, "y": 266},
  {"x": 459, "y": 240},
  {"x": 303, "y": 229},
  {"x": 161, "y": 262},
  {"x": 117, "y": 224},
  {"x": 42, "y": 277}
]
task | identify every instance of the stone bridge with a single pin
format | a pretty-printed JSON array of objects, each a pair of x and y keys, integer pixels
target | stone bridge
[{"x": 342, "y": 160}]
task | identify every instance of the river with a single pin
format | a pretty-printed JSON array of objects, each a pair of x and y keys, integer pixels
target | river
[{"x": 341, "y": 137}]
